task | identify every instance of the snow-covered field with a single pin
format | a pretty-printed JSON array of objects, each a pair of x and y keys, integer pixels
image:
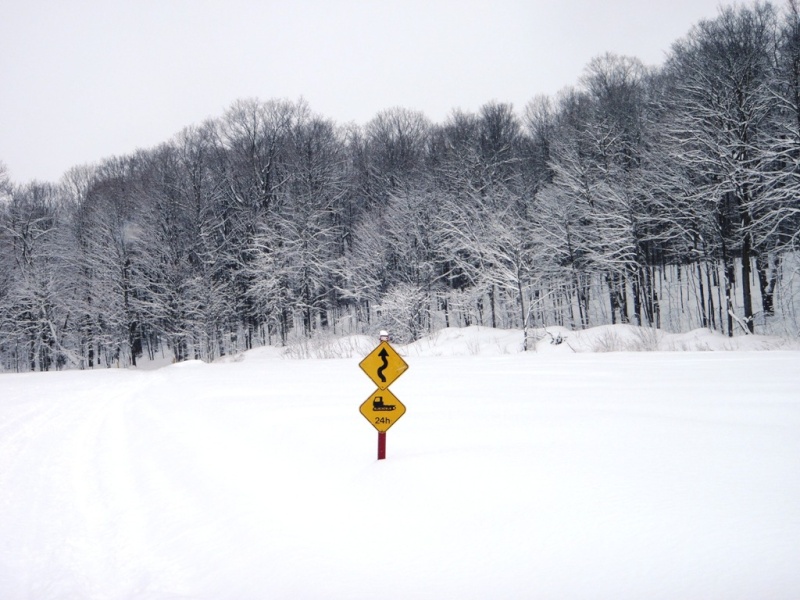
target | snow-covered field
[{"x": 555, "y": 474}]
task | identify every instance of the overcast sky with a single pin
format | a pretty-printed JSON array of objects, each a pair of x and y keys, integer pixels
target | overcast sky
[{"x": 84, "y": 80}]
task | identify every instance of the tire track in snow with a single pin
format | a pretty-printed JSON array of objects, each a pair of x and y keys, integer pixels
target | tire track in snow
[
  {"x": 73, "y": 461},
  {"x": 145, "y": 498},
  {"x": 34, "y": 461},
  {"x": 106, "y": 495}
]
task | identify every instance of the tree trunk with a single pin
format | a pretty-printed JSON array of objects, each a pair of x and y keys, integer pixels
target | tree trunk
[
  {"x": 746, "y": 291},
  {"x": 730, "y": 277},
  {"x": 767, "y": 280},
  {"x": 637, "y": 297},
  {"x": 703, "y": 312},
  {"x": 522, "y": 314},
  {"x": 492, "y": 307},
  {"x": 611, "y": 297}
]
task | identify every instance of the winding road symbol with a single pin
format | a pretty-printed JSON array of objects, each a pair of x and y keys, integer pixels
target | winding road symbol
[{"x": 384, "y": 355}]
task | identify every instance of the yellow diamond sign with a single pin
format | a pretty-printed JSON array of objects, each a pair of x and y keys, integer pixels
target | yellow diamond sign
[
  {"x": 383, "y": 365},
  {"x": 382, "y": 409}
]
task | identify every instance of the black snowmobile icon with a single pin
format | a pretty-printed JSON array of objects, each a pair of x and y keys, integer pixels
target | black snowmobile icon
[{"x": 377, "y": 404}]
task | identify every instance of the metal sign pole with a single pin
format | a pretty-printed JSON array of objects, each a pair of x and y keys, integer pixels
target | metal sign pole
[
  {"x": 384, "y": 337},
  {"x": 381, "y": 445}
]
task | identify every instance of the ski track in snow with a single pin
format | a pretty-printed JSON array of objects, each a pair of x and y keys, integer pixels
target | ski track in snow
[{"x": 564, "y": 476}]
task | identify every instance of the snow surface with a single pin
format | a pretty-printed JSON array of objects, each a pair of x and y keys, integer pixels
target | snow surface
[{"x": 561, "y": 473}]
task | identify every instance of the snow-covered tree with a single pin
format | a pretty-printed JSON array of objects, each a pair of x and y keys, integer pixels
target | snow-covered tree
[{"x": 720, "y": 103}]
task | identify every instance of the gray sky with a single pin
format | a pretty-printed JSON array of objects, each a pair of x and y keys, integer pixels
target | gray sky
[{"x": 84, "y": 80}]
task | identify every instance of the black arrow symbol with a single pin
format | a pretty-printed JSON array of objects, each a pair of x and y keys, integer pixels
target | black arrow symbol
[{"x": 385, "y": 356}]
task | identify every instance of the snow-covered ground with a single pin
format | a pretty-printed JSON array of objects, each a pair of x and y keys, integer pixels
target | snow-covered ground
[{"x": 559, "y": 473}]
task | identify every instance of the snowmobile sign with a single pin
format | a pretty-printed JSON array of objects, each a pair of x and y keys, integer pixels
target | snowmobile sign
[
  {"x": 383, "y": 365},
  {"x": 382, "y": 409}
]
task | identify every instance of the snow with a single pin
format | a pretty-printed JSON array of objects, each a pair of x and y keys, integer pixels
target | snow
[{"x": 564, "y": 473}]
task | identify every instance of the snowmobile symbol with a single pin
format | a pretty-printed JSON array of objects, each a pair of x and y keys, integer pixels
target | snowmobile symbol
[{"x": 377, "y": 404}]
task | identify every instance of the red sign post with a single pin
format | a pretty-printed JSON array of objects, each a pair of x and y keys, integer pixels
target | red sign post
[{"x": 381, "y": 445}]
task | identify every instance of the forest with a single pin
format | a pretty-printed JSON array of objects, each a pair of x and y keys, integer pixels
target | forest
[{"x": 666, "y": 197}]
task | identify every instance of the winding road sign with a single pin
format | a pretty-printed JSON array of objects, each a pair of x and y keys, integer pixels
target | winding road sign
[
  {"x": 382, "y": 409},
  {"x": 383, "y": 365}
]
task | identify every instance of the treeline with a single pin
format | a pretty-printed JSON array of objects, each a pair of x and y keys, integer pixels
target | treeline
[{"x": 664, "y": 197}]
